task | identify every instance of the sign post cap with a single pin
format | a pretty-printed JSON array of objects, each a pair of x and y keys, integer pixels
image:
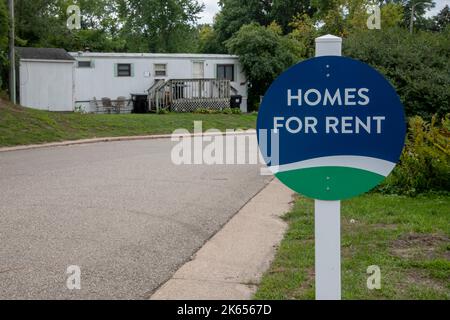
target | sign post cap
[
  {"x": 328, "y": 45},
  {"x": 328, "y": 38}
]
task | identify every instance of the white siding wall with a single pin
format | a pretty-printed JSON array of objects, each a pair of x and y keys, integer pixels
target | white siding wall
[
  {"x": 47, "y": 85},
  {"x": 100, "y": 80}
]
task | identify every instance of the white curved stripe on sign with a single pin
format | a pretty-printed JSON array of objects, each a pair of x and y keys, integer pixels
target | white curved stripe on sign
[{"x": 379, "y": 166}]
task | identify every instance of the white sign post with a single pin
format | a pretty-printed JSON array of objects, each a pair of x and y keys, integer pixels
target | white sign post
[
  {"x": 327, "y": 215},
  {"x": 334, "y": 156}
]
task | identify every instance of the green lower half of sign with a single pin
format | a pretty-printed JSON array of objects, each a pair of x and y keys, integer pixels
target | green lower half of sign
[{"x": 330, "y": 183}]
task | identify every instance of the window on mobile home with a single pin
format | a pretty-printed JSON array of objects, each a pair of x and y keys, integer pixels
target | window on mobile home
[
  {"x": 160, "y": 70},
  {"x": 225, "y": 72},
  {"x": 124, "y": 70},
  {"x": 85, "y": 64}
]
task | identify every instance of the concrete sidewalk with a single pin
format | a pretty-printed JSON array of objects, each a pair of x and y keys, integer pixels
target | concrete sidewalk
[{"x": 230, "y": 265}]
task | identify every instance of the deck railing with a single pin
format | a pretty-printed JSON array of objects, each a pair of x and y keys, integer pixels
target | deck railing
[{"x": 185, "y": 95}]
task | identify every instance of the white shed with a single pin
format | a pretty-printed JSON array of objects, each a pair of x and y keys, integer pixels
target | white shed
[{"x": 46, "y": 78}]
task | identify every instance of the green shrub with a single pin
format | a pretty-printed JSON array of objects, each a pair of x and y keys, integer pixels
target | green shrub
[
  {"x": 417, "y": 65},
  {"x": 236, "y": 111},
  {"x": 425, "y": 163},
  {"x": 201, "y": 111}
]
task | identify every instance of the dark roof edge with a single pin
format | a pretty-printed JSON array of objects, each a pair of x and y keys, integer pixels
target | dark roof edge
[{"x": 44, "y": 54}]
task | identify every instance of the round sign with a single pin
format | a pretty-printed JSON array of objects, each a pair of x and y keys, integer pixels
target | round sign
[{"x": 331, "y": 128}]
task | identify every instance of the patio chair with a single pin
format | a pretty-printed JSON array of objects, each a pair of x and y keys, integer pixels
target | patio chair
[
  {"x": 120, "y": 104},
  {"x": 107, "y": 105},
  {"x": 93, "y": 104}
]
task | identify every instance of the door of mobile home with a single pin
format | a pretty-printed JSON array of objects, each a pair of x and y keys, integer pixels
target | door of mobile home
[{"x": 198, "y": 72}]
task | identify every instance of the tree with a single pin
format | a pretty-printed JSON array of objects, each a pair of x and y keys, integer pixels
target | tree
[
  {"x": 4, "y": 30},
  {"x": 336, "y": 15},
  {"x": 391, "y": 15},
  {"x": 35, "y": 19},
  {"x": 442, "y": 20},
  {"x": 159, "y": 25},
  {"x": 43, "y": 23},
  {"x": 236, "y": 13},
  {"x": 417, "y": 65},
  {"x": 284, "y": 11},
  {"x": 415, "y": 9},
  {"x": 305, "y": 32},
  {"x": 208, "y": 42},
  {"x": 4, "y": 25},
  {"x": 110, "y": 25},
  {"x": 343, "y": 17},
  {"x": 415, "y": 6},
  {"x": 264, "y": 53}
]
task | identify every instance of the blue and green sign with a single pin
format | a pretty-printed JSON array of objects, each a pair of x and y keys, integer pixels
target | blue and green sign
[{"x": 336, "y": 125}]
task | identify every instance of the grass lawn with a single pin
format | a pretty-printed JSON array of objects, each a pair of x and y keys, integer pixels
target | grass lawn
[
  {"x": 408, "y": 238},
  {"x": 20, "y": 126}
]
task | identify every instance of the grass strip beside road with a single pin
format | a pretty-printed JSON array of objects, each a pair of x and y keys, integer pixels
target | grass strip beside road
[
  {"x": 408, "y": 238},
  {"x": 22, "y": 126}
]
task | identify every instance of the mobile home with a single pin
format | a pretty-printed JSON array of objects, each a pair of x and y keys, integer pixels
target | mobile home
[{"x": 82, "y": 80}]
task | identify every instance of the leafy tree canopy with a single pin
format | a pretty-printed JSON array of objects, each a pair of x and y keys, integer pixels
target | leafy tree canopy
[
  {"x": 110, "y": 25},
  {"x": 264, "y": 53},
  {"x": 418, "y": 66},
  {"x": 159, "y": 25}
]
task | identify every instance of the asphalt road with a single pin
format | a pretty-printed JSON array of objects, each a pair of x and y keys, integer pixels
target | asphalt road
[{"x": 121, "y": 211}]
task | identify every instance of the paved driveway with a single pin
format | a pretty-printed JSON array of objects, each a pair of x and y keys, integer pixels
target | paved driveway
[{"x": 120, "y": 210}]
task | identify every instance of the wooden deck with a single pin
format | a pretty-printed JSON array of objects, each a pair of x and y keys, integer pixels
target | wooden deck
[{"x": 187, "y": 95}]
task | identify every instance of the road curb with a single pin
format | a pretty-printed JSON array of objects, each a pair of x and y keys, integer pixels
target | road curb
[
  {"x": 116, "y": 139},
  {"x": 230, "y": 265}
]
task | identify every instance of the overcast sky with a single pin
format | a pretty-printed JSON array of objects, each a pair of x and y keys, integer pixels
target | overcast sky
[{"x": 212, "y": 7}]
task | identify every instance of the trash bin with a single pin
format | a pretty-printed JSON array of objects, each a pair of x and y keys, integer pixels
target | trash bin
[
  {"x": 236, "y": 101},
  {"x": 140, "y": 103}
]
